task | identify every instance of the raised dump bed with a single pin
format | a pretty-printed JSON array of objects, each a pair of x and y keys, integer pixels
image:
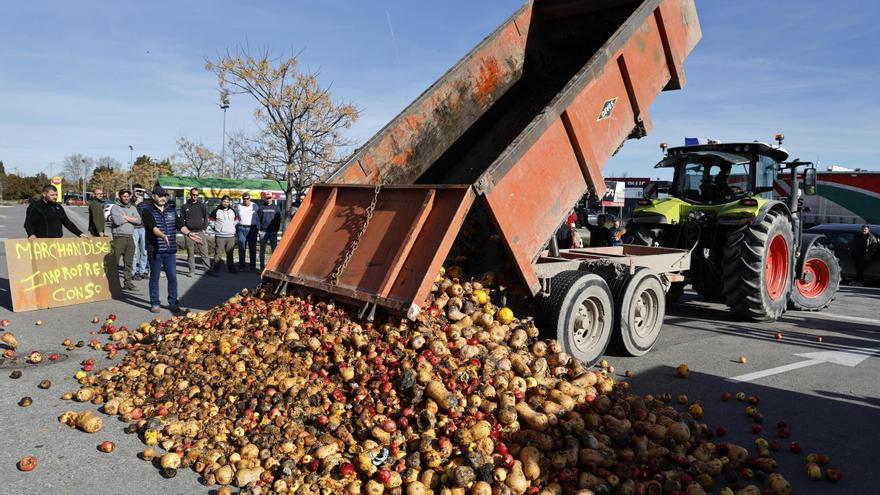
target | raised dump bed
[{"x": 521, "y": 127}]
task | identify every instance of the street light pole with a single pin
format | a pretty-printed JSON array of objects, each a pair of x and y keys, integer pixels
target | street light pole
[
  {"x": 224, "y": 104},
  {"x": 84, "y": 179},
  {"x": 130, "y": 166}
]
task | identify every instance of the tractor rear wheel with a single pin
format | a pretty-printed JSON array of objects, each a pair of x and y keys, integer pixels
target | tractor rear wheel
[
  {"x": 758, "y": 267},
  {"x": 820, "y": 281},
  {"x": 641, "y": 235}
]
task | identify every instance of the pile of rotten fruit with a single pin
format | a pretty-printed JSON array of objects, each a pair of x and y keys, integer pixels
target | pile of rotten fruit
[{"x": 284, "y": 395}]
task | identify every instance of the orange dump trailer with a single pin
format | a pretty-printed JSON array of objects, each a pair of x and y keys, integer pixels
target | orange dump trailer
[{"x": 520, "y": 129}]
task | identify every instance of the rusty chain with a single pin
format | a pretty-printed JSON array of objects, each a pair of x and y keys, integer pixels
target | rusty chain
[{"x": 368, "y": 215}]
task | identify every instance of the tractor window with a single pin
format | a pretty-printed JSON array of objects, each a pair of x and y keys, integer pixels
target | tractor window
[
  {"x": 690, "y": 182},
  {"x": 739, "y": 176},
  {"x": 765, "y": 174}
]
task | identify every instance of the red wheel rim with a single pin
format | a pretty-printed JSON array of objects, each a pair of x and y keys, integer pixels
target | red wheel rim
[
  {"x": 816, "y": 278},
  {"x": 776, "y": 270}
]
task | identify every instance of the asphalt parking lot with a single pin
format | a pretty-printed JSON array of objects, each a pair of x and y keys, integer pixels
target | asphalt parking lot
[{"x": 827, "y": 391}]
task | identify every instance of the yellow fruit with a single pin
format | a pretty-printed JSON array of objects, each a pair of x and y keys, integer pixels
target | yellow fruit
[
  {"x": 481, "y": 296},
  {"x": 151, "y": 437},
  {"x": 504, "y": 316}
]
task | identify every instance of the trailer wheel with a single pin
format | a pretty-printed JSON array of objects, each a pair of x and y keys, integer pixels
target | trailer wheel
[
  {"x": 820, "y": 281},
  {"x": 639, "y": 308},
  {"x": 579, "y": 312},
  {"x": 758, "y": 268}
]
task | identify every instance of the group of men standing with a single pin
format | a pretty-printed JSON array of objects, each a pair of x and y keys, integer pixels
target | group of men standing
[
  {"x": 145, "y": 233},
  {"x": 240, "y": 225}
]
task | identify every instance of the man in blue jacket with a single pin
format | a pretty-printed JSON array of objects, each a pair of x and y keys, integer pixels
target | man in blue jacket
[
  {"x": 161, "y": 224},
  {"x": 270, "y": 223}
]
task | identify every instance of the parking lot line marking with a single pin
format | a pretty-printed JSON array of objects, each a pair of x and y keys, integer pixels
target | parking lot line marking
[
  {"x": 855, "y": 319},
  {"x": 851, "y": 359}
]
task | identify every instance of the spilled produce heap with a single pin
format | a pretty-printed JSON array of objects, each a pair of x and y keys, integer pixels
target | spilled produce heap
[{"x": 284, "y": 395}]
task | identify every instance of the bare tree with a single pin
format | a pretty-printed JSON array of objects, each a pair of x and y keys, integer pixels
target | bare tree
[
  {"x": 108, "y": 162},
  {"x": 300, "y": 126},
  {"x": 77, "y": 167},
  {"x": 195, "y": 159},
  {"x": 243, "y": 157}
]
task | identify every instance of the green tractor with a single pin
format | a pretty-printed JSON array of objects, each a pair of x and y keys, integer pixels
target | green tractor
[{"x": 747, "y": 247}]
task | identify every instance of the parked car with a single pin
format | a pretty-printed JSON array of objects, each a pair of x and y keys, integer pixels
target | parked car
[{"x": 838, "y": 237}]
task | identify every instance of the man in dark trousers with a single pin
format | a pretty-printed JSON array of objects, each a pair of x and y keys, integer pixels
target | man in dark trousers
[
  {"x": 96, "y": 214},
  {"x": 195, "y": 216},
  {"x": 45, "y": 217},
  {"x": 161, "y": 224},
  {"x": 270, "y": 223},
  {"x": 863, "y": 247}
]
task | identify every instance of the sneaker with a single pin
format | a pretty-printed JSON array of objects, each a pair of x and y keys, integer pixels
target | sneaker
[
  {"x": 177, "y": 309},
  {"x": 155, "y": 309},
  {"x": 188, "y": 274},
  {"x": 129, "y": 286},
  {"x": 136, "y": 276},
  {"x": 216, "y": 268}
]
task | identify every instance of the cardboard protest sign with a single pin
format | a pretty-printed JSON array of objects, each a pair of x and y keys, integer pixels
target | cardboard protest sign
[{"x": 50, "y": 273}]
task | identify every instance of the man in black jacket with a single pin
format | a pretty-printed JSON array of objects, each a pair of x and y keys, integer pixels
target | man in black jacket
[
  {"x": 45, "y": 217},
  {"x": 195, "y": 216},
  {"x": 863, "y": 247}
]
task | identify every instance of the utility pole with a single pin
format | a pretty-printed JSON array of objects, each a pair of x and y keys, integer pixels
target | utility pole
[{"x": 224, "y": 104}]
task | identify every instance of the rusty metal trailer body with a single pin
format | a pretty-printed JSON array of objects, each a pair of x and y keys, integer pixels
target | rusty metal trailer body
[{"x": 523, "y": 124}]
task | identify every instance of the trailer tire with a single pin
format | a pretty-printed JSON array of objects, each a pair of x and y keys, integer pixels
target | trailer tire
[
  {"x": 820, "y": 283},
  {"x": 580, "y": 314},
  {"x": 639, "y": 308},
  {"x": 758, "y": 267}
]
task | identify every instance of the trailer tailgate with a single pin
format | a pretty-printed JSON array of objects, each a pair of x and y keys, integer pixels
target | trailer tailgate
[{"x": 392, "y": 260}]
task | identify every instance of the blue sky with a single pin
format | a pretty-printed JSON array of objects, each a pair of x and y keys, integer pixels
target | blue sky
[{"x": 95, "y": 77}]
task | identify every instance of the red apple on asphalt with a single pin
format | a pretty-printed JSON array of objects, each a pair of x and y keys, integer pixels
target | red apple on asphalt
[
  {"x": 795, "y": 447},
  {"x": 27, "y": 463}
]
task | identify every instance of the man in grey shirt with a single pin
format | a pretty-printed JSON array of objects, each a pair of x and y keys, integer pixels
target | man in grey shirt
[{"x": 124, "y": 218}]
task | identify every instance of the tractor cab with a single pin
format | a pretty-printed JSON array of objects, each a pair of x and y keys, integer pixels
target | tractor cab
[{"x": 712, "y": 174}]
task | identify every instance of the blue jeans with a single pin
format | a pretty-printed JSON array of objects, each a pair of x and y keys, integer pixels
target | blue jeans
[
  {"x": 247, "y": 235},
  {"x": 140, "y": 252},
  {"x": 166, "y": 262},
  {"x": 270, "y": 238}
]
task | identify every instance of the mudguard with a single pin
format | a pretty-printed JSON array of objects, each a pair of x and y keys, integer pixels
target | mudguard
[{"x": 807, "y": 241}]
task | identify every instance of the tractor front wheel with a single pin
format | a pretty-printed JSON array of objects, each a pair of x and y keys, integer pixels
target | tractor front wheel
[
  {"x": 758, "y": 268},
  {"x": 819, "y": 283}
]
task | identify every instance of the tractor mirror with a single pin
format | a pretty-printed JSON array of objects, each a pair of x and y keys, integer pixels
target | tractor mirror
[{"x": 810, "y": 182}]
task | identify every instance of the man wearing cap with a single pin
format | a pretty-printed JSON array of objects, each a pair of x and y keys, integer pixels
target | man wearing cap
[
  {"x": 248, "y": 222},
  {"x": 270, "y": 223},
  {"x": 161, "y": 224}
]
